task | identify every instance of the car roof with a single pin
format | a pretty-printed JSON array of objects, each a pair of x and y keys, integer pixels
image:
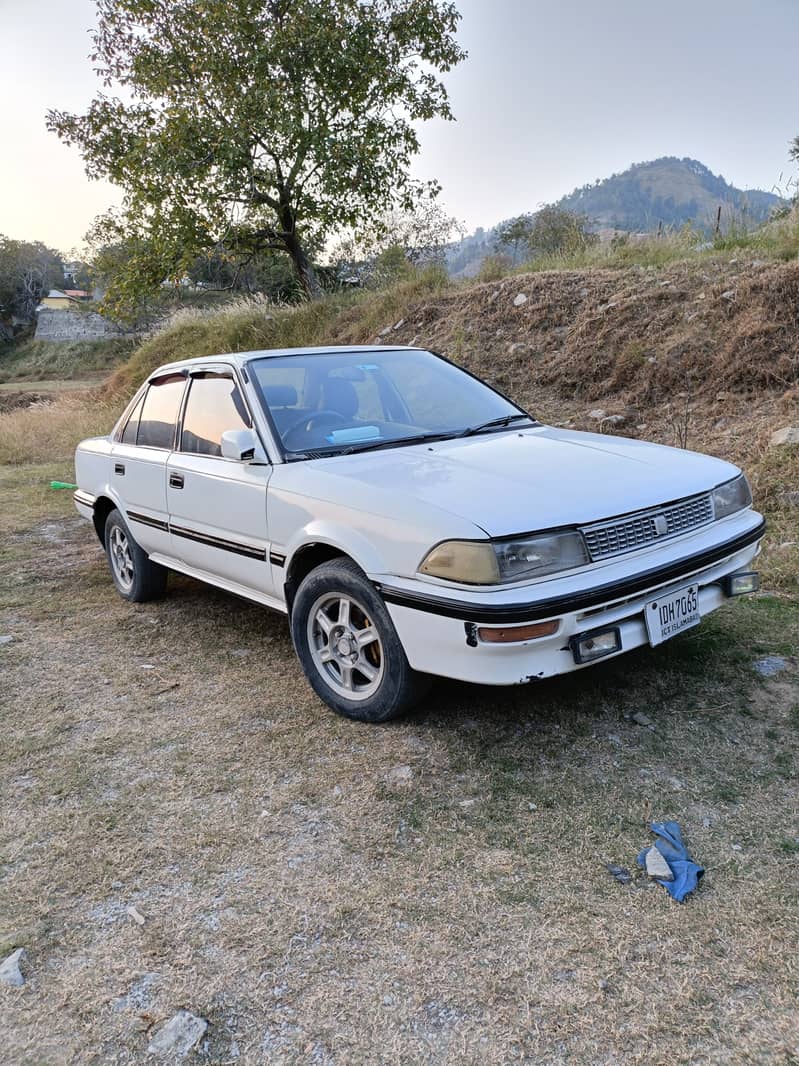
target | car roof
[{"x": 241, "y": 358}]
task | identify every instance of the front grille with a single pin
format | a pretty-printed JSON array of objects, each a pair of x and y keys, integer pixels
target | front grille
[{"x": 636, "y": 531}]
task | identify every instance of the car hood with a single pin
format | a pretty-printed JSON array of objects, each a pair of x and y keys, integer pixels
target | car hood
[{"x": 519, "y": 481}]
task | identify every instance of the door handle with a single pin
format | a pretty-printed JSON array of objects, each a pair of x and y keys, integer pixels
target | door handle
[
  {"x": 119, "y": 468},
  {"x": 176, "y": 481}
]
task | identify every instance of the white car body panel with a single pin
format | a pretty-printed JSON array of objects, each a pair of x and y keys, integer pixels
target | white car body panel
[
  {"x": 221, "y": 501},
  {"x": 241, "y": 526}
]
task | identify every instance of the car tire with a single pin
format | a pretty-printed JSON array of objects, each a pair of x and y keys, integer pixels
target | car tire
[
  {"x": 136, "y": 577},
  {"x": 348, "y": 647}
]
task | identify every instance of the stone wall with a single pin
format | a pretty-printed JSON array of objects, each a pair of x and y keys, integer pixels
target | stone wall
[{"x": 53, "y": 325}]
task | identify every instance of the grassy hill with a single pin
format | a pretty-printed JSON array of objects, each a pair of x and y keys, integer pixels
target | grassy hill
[
  {"x": 669, "y": 192},
  {"x": 664, "y": 193}
]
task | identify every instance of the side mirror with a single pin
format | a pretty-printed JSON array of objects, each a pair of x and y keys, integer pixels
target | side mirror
[{"x": 243, "y": 445}]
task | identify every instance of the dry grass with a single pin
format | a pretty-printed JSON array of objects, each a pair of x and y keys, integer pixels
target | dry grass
[
  {"x": 314, "y": 906},
  {"x": 33, "y": 360},
  {"x": 47, "y": 431}
]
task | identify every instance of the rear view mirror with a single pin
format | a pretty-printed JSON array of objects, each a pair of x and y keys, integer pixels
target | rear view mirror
[{"x": 243, "y": 445}]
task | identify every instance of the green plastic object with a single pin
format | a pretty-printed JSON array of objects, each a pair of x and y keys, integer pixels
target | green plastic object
[{"x": 62, "y": 485}]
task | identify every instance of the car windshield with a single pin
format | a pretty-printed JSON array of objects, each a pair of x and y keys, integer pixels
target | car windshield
[{"x": 339, "y": 402}]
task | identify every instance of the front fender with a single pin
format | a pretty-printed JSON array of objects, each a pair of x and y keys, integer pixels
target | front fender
[{"x": 343, "y": 538}]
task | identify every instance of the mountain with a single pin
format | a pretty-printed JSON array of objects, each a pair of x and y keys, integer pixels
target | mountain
[{"x": 667, "y": 191}]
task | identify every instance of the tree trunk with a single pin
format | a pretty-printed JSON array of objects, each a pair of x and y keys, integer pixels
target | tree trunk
[{"x": 303, "y": 267}]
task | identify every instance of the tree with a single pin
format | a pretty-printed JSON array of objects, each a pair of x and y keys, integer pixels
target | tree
[
  {"x": 556, "y": 231},
  {"x": 28, "y": 269},
  {"x": 259, "y": 124},
  {"x": 399, "y": 240},
  {"x": 515, "y": 234}
]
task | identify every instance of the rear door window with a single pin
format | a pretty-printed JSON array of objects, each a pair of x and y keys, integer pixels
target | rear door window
[
  {"x": 214, "y": 406},
  {"x": 160, "y": 412}
]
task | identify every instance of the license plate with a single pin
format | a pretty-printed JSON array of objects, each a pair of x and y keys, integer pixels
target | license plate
[{"x": 672, "y": 614}]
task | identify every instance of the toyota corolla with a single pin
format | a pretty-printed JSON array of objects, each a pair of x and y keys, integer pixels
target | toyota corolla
[{"x": 410, "y": 520}]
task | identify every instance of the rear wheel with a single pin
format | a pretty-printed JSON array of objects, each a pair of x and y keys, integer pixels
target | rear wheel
[
  {"x": 348, "y": 647},
  {"x": 136, "y": 578}
]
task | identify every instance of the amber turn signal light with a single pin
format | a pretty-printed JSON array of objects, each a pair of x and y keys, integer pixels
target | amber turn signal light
[{"x": 517, "y": 633}]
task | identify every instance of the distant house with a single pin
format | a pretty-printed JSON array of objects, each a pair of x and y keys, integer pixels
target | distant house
[
  {"x": 58, "y": 300},
  {"x": 78, "y": 294}
]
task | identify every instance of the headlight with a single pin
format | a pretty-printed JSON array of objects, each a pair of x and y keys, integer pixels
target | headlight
[
  {"x": 470, "y": 561},
  {"x": 483, "y": 563},
  {"x": 732, "y": 496}
]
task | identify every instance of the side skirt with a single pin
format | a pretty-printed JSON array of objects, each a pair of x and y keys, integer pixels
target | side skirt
[{"x": 221, "y": 583}]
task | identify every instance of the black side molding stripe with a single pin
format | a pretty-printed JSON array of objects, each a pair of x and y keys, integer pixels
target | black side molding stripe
[
  {"x": 84, "y": 498},
  {"x": 580, "y": 601},
  {"x": 145, "y": 520},
  {"x": 277, "y": 558},
  {"x": 218, "y": 542},
  {"x": 202, "y": 538}
]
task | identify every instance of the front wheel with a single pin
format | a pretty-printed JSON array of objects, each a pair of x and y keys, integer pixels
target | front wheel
[
  {"x": 136, "y": 578},
  {"x": 348, "y": 647}
]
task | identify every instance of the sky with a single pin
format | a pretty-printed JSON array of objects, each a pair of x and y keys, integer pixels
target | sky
[{"x": 554, "y": 94}]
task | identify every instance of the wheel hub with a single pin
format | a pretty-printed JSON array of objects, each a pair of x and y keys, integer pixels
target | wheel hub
[{"x": 345, "y": 645}]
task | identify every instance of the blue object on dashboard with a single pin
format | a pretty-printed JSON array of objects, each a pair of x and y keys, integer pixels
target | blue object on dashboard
[{"x": 670, "y": 845}]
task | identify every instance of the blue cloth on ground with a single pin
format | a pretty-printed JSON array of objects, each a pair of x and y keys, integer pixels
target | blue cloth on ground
[{"x": 671, "y": 847}]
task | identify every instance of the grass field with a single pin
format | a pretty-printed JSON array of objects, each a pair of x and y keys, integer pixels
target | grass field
[{"x": 433, "y": 891}]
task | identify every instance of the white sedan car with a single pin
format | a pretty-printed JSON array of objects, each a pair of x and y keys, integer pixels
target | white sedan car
[{"x": 410, "y": 520}]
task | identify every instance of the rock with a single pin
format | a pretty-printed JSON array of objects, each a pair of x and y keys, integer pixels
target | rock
[
  {"x": 383, "y": 332},
  {"x": 789, "y": 499},
  {"x": 615, "y": 420},
  {"x": 620, "y": 873},
  {"x": 400, "y": 324},
  {"x": 729, "y": 294},
  {"x": 7, "y": 639},
  {"x": 137, "y": 916},
  {"x": 519, "y": 300},
  {"x": 643, "y": 719},
  {"x": 771, "y": 665},
  {"x": 399, "y": 776},
  {"x": 786, "y": 435},
  {"x": 178, "y": 1036},
  {"x": 139, "y": 995},
  {"x": 656, "y": 866},
  {"x": 10, "y": 973},
  {"x": 598, "y": 414},
  {"x": 520, "y": 346}
]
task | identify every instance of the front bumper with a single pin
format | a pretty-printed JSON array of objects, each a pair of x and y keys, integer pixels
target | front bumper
[{"x": 437, "y": 627}]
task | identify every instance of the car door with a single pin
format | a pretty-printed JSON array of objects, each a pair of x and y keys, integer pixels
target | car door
[
  {"x": 217, "y": 506},
  {"x": 139, "y": 459}
]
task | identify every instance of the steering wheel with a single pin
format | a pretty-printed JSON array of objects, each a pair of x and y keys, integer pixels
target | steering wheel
[{"x": 308, "y": 422}]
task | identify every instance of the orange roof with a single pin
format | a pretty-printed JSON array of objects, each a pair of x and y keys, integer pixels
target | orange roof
[{"x": 75, "y": 292}]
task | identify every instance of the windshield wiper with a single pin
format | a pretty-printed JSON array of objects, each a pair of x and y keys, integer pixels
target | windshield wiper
[
  {"x": 374, "y": 445},
  {"x": 328, "y": 452},
  {"x": 503, "y": 421}
]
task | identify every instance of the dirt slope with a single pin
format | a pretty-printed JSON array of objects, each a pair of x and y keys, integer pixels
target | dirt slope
[{"x": 637, "y": 334}]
